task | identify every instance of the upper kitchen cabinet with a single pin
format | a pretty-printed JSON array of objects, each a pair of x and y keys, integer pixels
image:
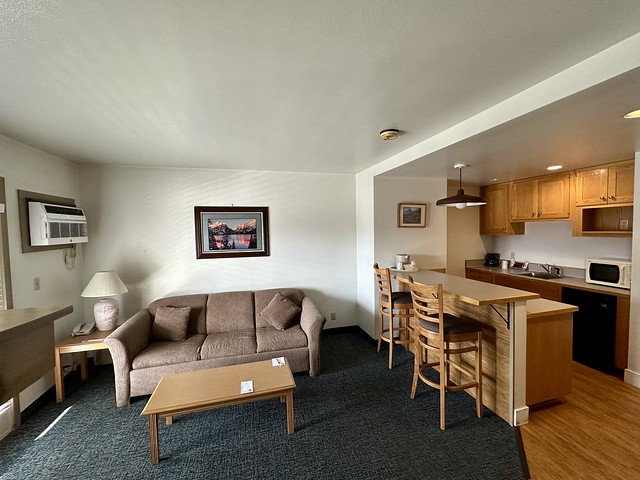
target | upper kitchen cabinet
[
  {"x": 494, "y": 216},
  {"x": 610, "y": 184},
  {"x": 543, "y": 198}
]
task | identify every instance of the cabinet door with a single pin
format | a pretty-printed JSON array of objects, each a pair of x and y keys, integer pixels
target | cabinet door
[
  {"x": 480, "y": 275},
  {"x": 621, "y": 183},
  {"x": 494, "y": 216},
  {"x": 553, "y": 197},
  {"x": 524, "y": 200},
  {"x": 592, "y": 187}
]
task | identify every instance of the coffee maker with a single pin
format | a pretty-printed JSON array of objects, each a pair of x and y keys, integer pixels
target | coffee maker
[{"x": 492, "y": 260}]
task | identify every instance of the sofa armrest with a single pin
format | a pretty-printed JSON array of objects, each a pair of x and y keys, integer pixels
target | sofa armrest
[
  {"x": 312, "y": 322},
  {"x": 124, "y": 344}
]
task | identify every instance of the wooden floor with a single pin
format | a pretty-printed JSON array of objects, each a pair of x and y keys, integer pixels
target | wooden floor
[{"x": 593, "y": 434}]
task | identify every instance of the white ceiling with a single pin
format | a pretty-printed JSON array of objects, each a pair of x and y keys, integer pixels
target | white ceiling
[{"x": 306, "y": 85}]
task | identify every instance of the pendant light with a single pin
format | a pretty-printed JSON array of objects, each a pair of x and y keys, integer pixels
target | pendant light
[{"x": 460, "y": 199}]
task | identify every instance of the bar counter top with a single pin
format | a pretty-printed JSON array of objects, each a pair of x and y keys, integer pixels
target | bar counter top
[{"x": 469, "y": 291}]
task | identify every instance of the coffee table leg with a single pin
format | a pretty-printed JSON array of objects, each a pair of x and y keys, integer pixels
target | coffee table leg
[
  {"x": 153, "y": 438},
  {"x": 290, "y": 418}
]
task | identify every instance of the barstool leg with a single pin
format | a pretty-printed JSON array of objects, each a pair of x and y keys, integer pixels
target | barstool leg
[
  {"x": 417, "y": 357},
  {"x": 479, "y": 376},
  {"x": 380, "y": 328},
  {"x": 391, "y": 341},
  {"x": 443, "y": 380}
]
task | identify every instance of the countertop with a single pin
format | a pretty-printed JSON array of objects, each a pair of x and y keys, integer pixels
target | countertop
[
  {"x": 470, "y": 291},
  {"x": 570, "y": 282},
  {"x": 16, "y": 318},
  {"x": 541, "y": 307}
]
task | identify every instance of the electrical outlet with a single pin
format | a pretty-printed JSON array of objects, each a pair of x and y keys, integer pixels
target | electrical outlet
[
  {"x": 624, "y": 224},
  {"x": 333, "y": 315},
  {"x": 36, "y": 283}
]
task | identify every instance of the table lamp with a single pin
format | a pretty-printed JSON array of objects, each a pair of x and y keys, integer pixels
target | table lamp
[{"x": 106, "y": 310}]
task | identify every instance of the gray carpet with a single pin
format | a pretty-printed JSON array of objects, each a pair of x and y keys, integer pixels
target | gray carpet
[{"x": 355, "y": 421}]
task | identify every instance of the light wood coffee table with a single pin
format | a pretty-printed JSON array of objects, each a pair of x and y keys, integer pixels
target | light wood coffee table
[{"x": 189, "y": 392}]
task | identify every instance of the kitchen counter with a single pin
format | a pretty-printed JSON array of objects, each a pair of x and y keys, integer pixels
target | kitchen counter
[
  {"x": 470, "y": 291},
  {"x": 26, "y": 347},
  {"x": 503, "y": 311},
  {"x": 568, "y": 281},
  {"x": 554, "y": 289}
]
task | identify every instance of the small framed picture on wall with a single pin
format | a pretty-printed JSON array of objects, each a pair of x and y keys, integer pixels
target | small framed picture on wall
[{"x": 412, "y": 215}]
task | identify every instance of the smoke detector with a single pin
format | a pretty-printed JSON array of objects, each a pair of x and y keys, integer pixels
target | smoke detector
[{"x": 389, "y": 134}]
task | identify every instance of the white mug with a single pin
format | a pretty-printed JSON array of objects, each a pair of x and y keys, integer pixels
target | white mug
[{"x": 505, "y": 264}]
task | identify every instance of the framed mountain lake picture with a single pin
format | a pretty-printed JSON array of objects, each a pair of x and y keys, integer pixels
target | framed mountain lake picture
[
  {"x": 412, "y": 215},
  {"x": 223, "y": 232}
]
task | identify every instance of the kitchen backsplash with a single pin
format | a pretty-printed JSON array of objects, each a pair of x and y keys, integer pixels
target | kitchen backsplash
[{"x": 552, "y": 242}]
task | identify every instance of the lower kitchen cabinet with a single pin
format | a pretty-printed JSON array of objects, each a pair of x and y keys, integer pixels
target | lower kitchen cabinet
[
  {"x": 548, "y": 290},
  {"x": 549, "y": 341}
]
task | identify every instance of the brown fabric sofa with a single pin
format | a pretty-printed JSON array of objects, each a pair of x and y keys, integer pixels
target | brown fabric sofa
[{"x": 223, "y": 329}]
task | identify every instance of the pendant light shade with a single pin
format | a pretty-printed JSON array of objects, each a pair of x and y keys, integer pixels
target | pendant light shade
[{"x": 461, "y": 199}]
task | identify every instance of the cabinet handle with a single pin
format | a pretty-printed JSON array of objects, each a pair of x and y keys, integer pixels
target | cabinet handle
[
  {"x": 533, "y": 214},
  {"x": 539, "y": 213},
  {"x": 612, "y": 197},
  {"x": 603, "y": 198}
]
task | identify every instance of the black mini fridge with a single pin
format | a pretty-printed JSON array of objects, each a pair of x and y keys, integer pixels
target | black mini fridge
[{"x": 594, "y": 328}]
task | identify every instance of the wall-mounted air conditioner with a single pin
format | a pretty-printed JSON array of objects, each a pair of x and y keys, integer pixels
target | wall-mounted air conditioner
[{"x": 56, "y": 224}]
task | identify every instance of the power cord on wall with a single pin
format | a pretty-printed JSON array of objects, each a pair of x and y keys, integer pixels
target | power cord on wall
[{"x": 70, "y": 257}]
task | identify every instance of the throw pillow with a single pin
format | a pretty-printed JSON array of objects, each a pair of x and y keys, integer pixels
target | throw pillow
[
  {"x": 170, "y": 323},
  {"x": 281, "y": 312}
]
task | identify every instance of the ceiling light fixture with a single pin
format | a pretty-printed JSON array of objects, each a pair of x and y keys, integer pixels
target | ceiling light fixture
[
  {"x": 461, "y": 200},
  {"x": 551, "y": 168},
  {"x": 634, "y": 114},
  {"x": 389, "y": 134}
]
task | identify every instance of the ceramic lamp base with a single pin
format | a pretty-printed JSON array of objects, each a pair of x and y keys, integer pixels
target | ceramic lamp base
[{"x": 106, "y": 312}]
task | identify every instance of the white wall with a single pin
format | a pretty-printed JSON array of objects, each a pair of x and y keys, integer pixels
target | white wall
[
  {"x": 142, "y": 225},
  {"x": 25, "y": 168},
  {"x": 552, "y": 242},
  {"x": 632, "y": 373},
  {"x": 427, "y": 246},
  {"x": 463, "y": 234}
]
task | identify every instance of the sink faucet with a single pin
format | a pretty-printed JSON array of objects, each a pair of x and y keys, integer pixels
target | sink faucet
[{"x": 552, "y": 268}]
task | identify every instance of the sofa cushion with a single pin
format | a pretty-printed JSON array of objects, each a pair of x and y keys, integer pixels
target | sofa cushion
[
  {"x": 170, "y": 323},
  {"x": 264, "y": 297},
  {"x": 164, "y": 352},
  {"x": 270, "y": 339},
  {"x": 197, "y": 303},
  {"x": 230, "y": 312},
  {"x": 228, "y": 344},
  {"x": 281, "y": 312}
]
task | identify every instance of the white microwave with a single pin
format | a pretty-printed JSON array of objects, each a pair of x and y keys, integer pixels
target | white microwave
[{"x": 609, "y": 271}]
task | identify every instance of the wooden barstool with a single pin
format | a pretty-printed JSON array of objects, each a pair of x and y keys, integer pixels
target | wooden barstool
[
  {"x": 392, "y": 305},
  {"x": 435, "y": 332}
]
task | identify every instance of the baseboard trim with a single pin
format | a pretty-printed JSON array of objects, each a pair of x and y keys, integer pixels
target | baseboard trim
[{"x": 632, "y": 378}]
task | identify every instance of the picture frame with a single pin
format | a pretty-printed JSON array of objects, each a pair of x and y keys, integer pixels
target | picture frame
[
  {"x": 412, "y": 215},
  {"x": 226, "y": 232}
]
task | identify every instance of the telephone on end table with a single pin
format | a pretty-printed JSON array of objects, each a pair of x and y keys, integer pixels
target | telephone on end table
[{"x": 83, "y": 329}]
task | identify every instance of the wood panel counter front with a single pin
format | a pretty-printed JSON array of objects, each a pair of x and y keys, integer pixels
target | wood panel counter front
[
  {"x": 26, "y": 346},
  {"x": 504, "y": 312}
]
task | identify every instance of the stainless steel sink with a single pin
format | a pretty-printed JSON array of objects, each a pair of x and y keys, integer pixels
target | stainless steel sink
[{"x": 540, "y": 275}]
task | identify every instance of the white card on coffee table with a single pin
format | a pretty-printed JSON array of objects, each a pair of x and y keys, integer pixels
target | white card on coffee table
[
  {"x": 277, "y": 362},
  {"x": 246, "y": 386}
]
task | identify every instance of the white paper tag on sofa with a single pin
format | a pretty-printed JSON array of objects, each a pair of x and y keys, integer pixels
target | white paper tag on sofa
[
  {"x": 277, "y": 362},
  {"x": 246, "y": 387}
]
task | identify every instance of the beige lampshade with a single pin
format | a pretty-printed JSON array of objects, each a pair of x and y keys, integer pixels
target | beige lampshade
[{"x": 104, "y": 284}]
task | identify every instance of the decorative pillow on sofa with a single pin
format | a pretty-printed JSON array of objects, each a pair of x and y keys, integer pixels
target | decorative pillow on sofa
[
  {"x": 170, "y": 323},
  {"x": 281, "y": 312}
]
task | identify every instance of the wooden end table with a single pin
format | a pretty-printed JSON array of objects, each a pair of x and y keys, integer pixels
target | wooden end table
[
  {"x": 81, "y": 344},
  {"x": 188, "y": 392}
]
